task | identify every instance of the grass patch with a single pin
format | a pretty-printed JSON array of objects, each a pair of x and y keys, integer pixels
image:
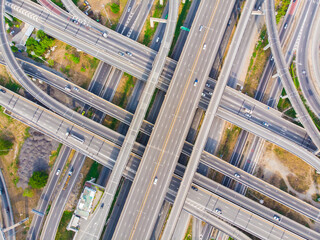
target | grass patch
[
  {"x": 149, "y": 31},
  {"x": 11, "y": 85},
  {"x": 281, "y": 9},
  {"x": 93, "y": 172},
  {"x": 257, "y": 63},
  {"x": 59, "y": 4},
  {"x": 188, "y": 235},
  {"x": 151, "y": 102},
  {"x": 111, "y": 123},
  {"x": 6, "y": 144},
  {"x": 28, "y": 193},
  {"x": 228, "y": 141},
  {"x": 181, "y": 18},
  {"x": 125, "y": 91},
  {"x": 54, "y": 155},
  {"x": 62, "y": 232},
  {"x": 291, "y": 113}
]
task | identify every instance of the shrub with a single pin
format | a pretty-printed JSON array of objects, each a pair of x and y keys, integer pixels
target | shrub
[
  {"x": 27, "y": 193},
  {"x": 115, "y": 8},
  {"x": 5, "y": 145},
  {"x": 38, "y": 180}
]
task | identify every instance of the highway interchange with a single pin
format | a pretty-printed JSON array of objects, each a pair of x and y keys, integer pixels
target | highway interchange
[{"x": 103, "y": 142}]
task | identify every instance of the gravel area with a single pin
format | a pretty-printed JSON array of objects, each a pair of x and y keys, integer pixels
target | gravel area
[{"x": 34, "y": 156}]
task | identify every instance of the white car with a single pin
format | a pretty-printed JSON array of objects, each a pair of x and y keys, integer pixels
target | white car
[
  {"x": 155, "y": 180},
  {"x": 276, "y": 217},
  {"x": 195, "y": 82},
  {"x": 204, "y": 46},
  {"x": 58, "y": 172},
  {"x": 237, "y": 175}
]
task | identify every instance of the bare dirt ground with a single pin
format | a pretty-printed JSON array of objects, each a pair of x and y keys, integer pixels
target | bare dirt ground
[
  {"x": 101, "y": 9},
  {"x": 79, "y": 73},
  {"x": 13, "y": 169},
  {"x": 289, "y": 173}
]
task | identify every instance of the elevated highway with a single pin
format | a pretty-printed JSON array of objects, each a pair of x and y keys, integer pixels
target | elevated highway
[
  {"x": 285, "y": 76},
  {"x": 303, "y": 207}
]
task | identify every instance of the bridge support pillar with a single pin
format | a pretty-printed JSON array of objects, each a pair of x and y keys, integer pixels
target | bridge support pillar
[
  {"x": 275, "y": 76},
  {"x": 266, "y": 47},
  {"x": 152, "y": 20}
]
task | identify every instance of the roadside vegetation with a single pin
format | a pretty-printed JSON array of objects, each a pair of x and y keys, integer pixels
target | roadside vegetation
[
  {"x": 62, "y": 232},
  {"x": 184, "y": 9},
  {"x": 54, "y": 155},
  {"x": 313, "y": 116},
  {"x": 281, "y": 9},
  {"x": 147, "y": 31},
  {"x": 257, "y": 63},
  {"x": 228, "y": 141},
  {"x": 59, "y": 4},
  {"x": 188, "y": 235}
]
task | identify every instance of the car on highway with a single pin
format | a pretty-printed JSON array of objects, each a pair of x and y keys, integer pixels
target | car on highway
[
  {"x": 129, "y": 9},
  {"x": 1, "y": 191},
  {"x": 102, "y": 205},
  {"x": 58, "y": 171},
  {"x": 194, "y": 188},
  {"x": 204, "y": 46},
  {"x": 129, "y": 53},
  {"x": 285, "y": 26},
  {"x": 67, "y": 88},
  {"x": 121, "y": 54},
  {"x": 276, "y": 217},
  {"x": 195, "y": 82},
  {"x": 265, "y": 124},
  {"x": 105, "y": 34},
  {"x": 7, "y": 210},
  {"x": 70, "y": 172},
  {"x": 271, "y": 59},
  {"x": 155, "y": 180},
  {"x": 203, "y": 94},
  {"x": 248, "y": 115},
  {"x": 200, "y": 28},
  {"x": 76, "y": 88},
  {"x": 237, "y": 175},
  {"x": 2, "y": 90},
  {"x": 157, "y": 40},
  {"x": 304, "y": 72},
  {"x": 218, "y": 211}
]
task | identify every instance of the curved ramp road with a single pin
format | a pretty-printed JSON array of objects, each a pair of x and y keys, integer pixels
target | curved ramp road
[
  {"x": 306, "y": 76},
  {"x": 285, "y": 76}
]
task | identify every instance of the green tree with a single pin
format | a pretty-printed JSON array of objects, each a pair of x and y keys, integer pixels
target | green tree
[
  {"x": 5, "y": 145},
  {"x": 115, "y": 8},
  {"x": 38, "y": 180}
]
